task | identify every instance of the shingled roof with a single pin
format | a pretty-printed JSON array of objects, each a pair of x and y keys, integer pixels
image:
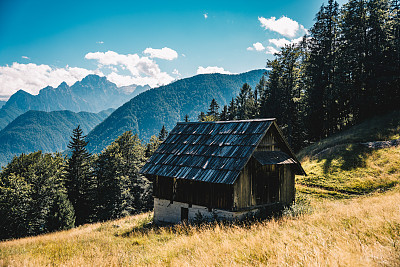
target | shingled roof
[{"x": 212, "y": 152}]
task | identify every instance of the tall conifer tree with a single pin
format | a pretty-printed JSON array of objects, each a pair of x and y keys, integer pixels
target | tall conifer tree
[{"x": 80, "y": 181}]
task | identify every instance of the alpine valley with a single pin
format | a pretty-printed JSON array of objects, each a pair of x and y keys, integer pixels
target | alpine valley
[{"x": 45, "y": 121}]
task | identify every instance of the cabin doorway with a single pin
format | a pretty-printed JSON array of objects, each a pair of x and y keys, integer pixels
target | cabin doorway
[
  {"x": 184, "y": 214},
  {"x": 266, "y": 184},
  {"x": 274, "y": 187}
]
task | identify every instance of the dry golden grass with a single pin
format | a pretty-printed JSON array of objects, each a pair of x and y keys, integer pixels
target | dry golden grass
[{"x": 363, "y": 231}]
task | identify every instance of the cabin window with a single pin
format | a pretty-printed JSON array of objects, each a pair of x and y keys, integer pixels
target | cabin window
[{"x": 184, "y": 214}]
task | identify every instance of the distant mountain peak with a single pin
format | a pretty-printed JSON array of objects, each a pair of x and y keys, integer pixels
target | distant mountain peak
[
  {"x": 63, "y": 85},
  {"x": 94, "y": 78},
  {"x": 93, "y": 93},
  {"x": 20, "y": 93}
]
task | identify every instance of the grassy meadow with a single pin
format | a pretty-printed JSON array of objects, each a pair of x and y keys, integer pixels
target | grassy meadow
[
  {"x": 341, "y": 167},
  {"x": 348, "y": 214},
  {"x": 363, "y": 231}
]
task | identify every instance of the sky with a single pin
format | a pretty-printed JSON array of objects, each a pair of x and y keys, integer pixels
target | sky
[{"x": 141, "y": 42}]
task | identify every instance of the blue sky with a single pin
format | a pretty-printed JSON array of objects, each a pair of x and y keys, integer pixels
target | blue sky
[{"x": 131, "y": 42}]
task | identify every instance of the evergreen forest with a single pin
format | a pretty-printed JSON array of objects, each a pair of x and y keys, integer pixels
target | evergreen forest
[{"x": 345, "y": 71}]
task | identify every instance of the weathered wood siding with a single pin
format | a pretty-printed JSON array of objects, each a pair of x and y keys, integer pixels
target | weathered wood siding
[
  {"x": 268, "y": 143},
  {"x": 260, "y": 185},
  {"x": 194, "y": 192},
  {"x": 257, "y": 185},
  {"x": 287, "y": 185}
]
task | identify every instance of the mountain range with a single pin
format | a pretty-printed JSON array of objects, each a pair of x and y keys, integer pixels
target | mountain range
[
  {"x": 92, "y": 94},
  {"x": 30, "y": 123},
  {"x": 45, "y": 131},
  {"x": 146, "y": 113}
]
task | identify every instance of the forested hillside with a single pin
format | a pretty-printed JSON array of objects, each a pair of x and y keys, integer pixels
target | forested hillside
[
  {"x": 148, "y": 112},
  {"x": 346, "y": 71},
  {"x": 45, "y": 131},
  {"x": 92, "y": 94}
]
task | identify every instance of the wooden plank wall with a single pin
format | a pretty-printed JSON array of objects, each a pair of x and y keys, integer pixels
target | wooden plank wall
[
  {"x": 245, "y": 188},
  {"x": 268, "y": 143},
  {"x": 194, "y": 192}
]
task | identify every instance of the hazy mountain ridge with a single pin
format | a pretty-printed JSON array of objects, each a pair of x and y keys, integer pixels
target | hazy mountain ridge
[
  {"x": 46, "y": 131},
  {"x": 2, "y": 103},
  {"x": 92, "y": 94},
  {"x": 166, "y": 105}
]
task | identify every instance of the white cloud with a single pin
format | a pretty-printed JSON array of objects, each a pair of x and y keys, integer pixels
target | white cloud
[
  {"x": 176, "y": 72},
  {"x": 297, "y": 40},
  {"x": 209, "y": 69},
  {"x": 256, "y": 46},
  {"x": 205, "y": 15},
  {"x": 143, "y": 70},
  {"x": 163, "y": 53},
  {"x": 25, "y": 57},
  {"x": 284, "y": 26},
  {"x": 124, "y": 80},
  {"x": 271, "y": 50},
  {"x": 100, "y": 42},
  {"x": 31, "y": 77},
  {"x": 279, "y": 42}
]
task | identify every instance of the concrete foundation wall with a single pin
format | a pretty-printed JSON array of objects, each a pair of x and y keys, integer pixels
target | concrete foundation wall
[{"x": 167, "y": 212}]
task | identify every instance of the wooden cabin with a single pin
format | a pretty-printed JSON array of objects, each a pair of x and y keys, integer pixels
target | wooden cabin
[{"x": 221, "y": 170}]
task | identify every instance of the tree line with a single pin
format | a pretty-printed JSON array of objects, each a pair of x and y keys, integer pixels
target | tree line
[
  {"x": 44, "y": 192},
  {"x": 347, "y": 69}
]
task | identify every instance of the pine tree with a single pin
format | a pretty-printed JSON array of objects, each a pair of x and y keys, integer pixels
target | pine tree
[
  {"x": 263, "y": 96},
  {"x": 393, "y": 90},
  {"x": 80, "y": 181},
  {"x": 186, "y": 118},
  {"x": 232, "y": 110},
  {"x": 377, "y": 67},
  {"x": 213, "y": 109},
  {"x": 121, "y": 189},
  {"x": 202, "y": 116},
  {"x": 286, "y": 100},
  {"x": 224, "y": 116},
  {"x": 163, "y": 134},
  {"x": 246, "y": 103},
  {"x": 152, "y": 146},
  {"x": 321, "y": 72},
  {"x": 353, "y": 52}
]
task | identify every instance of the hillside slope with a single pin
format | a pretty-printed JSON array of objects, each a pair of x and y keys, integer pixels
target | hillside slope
[
  {"x": 92, "y": 94},
  {"x": 46, "y": 131},
  {"x": 358, "y": 232},
  {"x": 149, "y": 111},
  {"x": 344, "y": 166},
  {"x": 333, "y": 227}
]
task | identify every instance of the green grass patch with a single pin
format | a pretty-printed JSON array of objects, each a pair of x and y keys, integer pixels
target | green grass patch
[{"x": 341, "y": 167}]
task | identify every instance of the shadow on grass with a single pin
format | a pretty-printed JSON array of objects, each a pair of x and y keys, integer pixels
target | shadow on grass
[
  {"x": 352, "y": 156},
  {"x": 275, "y": 212}
]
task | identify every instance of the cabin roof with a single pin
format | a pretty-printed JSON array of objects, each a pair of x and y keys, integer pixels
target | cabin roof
[
  {"x": 273, "y": 157},
  {"x": 212, "y": 152}
]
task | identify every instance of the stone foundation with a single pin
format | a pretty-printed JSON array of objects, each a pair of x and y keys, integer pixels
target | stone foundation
[{"x": 167, "y": 212}]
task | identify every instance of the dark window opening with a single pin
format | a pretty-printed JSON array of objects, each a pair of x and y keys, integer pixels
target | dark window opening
[{"x": 184, "y": 214}]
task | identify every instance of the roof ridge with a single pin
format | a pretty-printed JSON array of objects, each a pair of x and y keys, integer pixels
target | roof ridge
[{"x": 231, "y": 121}]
